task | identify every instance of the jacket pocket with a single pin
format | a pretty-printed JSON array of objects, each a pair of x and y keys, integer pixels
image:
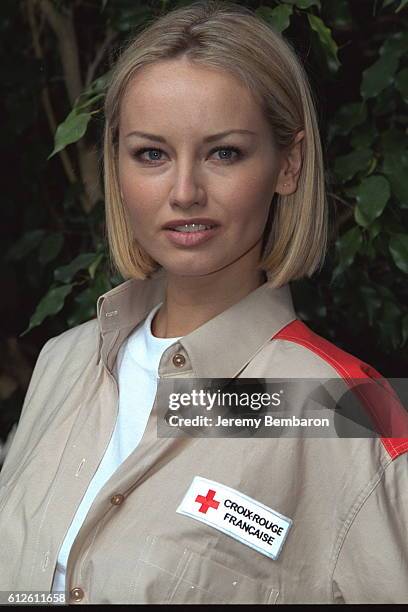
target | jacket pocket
[{"x": 170, "y": 573}]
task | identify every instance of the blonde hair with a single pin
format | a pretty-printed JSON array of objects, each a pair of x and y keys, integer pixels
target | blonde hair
[{"x": 229, "y": 37}]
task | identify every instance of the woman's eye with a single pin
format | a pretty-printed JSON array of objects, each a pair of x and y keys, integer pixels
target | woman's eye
[
  {"x": 153, "y": 155},
  {"x": 229, "y": 151},
  {"x": 138, "y": 154}
]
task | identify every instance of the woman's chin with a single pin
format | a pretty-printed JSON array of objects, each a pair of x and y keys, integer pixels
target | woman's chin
[{"x": 189, "y": 271}]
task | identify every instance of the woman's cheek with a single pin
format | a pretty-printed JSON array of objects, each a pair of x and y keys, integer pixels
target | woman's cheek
[{"x": 139, "y": 217}]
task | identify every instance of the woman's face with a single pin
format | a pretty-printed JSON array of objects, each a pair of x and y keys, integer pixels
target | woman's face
[{"x": 180, "y": 170}]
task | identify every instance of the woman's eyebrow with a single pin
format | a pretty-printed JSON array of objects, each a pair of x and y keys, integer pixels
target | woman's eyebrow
[{"x": 207, "y": 139}]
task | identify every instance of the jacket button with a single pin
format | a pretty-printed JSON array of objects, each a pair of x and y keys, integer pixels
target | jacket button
[
  {"x": 179, "y": 360},
  {"x": 117, "y": 499},
  {"x": 76, "y": 594}
]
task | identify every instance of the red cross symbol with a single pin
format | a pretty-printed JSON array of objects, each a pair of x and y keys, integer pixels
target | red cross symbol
[{"x": 207, "y": 502}]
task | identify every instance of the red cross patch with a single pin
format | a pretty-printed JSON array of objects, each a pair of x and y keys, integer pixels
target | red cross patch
[{"x": 207, "y": 502}]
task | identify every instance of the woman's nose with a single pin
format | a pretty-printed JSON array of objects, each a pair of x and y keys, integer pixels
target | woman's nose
[{"x": 186, "y": 189}]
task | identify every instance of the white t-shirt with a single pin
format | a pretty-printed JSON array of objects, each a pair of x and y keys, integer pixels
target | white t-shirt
[{"x": 137, "y": 371}]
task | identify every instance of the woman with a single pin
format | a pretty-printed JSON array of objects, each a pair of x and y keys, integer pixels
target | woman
[{"x": 215, "y": 201}]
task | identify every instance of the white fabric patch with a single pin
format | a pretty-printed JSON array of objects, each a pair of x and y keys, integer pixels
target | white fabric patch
[{"x": 237, "y": 515}]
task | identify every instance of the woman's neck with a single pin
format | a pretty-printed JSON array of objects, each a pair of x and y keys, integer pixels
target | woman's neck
[{"x": 191, "y": 301}]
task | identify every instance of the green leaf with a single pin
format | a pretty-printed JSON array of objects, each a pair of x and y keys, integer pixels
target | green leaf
[
  {"x": 338, "y": 14},
  {"x": 71, "y": 130},
  {"x": 372, "y": 195},
  {"x": 397, "y": 44},
  {"x": 372, "y": 166},
  {"x": 50, "y": 247},
  {"x": 401, "y": 83},
  {"x": 27, "y": 243},
  {"x": 398, "y": 246},
  {"x": 349, "y": 116},
  {"x": 92, "y": 268},
  {"x": 378, "y": 76},
  {"x": 395, "y": 167},
  {"x": 363, "y": 136},
  {"x": 304, "y": 4},
  {"x": 347, "y": 246},
  {"x": 85, "y": 309},
  {"x": 87, "y": 299},
  {"x": 99, "y": 85},
  {"x": 385, "y": 103},
  {"x": 278, "y": 17},
  {"x": 88, "y": 101},
  {"x": 394, "y": 141},
  {"x": 381, "y": 74},
  {"x": 374, "y": 229},
  {"x": 346, "y": 166},
  {"x": 50, "y": 304},
  {"x": 66, "y": 273},
  {"x": 326, "y": 39},
  {"x": 402, "y": 4}
]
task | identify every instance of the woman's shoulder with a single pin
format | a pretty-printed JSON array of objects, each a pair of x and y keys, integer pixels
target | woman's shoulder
[
  {"x": 347, "y": 365},
  {"x": 74, "y": 347},
  {"x": 297, "y": 352}
]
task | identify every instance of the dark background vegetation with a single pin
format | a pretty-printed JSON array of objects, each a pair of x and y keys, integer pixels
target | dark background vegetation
[{"x": 55, "y": 58}]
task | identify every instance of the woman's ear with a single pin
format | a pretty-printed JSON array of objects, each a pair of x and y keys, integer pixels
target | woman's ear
[{"x": 291, "y": 165}]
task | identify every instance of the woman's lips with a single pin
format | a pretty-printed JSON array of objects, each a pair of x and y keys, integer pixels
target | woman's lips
[{"x": 189, "y": 239}]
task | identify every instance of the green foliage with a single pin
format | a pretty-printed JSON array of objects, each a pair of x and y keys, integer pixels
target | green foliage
[
  {"x": 304, "y": 4},
  {"x": 326, "y": 39},
  {"x": 356, "y": 56},
  {"x": 399, "y": 250},
  {"x": 75, "y": 125},
  {"x": 27, "y": 243},
  {"x": 372, "y": 194},
  {"x": 381, "y": 74},
  {"x": 347, "y": 166},
  {"x": 50, "y": 304},
  {"x": 50, "y": 247},
  {"x": 401, "y": 82},
  {"x": 71, "y": 130},
  {"x": 81, "y": 262},
  {"x": 347, "y": 247},
  {"x": 278, "y": 17}
]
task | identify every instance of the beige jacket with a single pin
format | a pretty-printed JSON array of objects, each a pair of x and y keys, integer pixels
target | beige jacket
[{"x": 347, "y": 498}]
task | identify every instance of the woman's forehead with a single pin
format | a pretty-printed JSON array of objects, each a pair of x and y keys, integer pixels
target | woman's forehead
[{"x": 179, "y": 93}]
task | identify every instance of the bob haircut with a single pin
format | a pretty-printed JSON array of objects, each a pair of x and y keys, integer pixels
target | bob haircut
[{"x": 229, "y": 37}]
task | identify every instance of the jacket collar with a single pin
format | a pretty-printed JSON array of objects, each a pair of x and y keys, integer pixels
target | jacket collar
[{"x": 225, "y": 343}]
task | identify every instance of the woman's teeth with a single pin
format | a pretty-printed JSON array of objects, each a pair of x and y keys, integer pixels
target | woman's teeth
[{"x": 193, "y": 227}]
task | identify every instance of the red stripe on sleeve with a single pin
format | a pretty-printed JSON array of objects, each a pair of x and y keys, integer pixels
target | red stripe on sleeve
[{"x": 351, "y": 368}]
